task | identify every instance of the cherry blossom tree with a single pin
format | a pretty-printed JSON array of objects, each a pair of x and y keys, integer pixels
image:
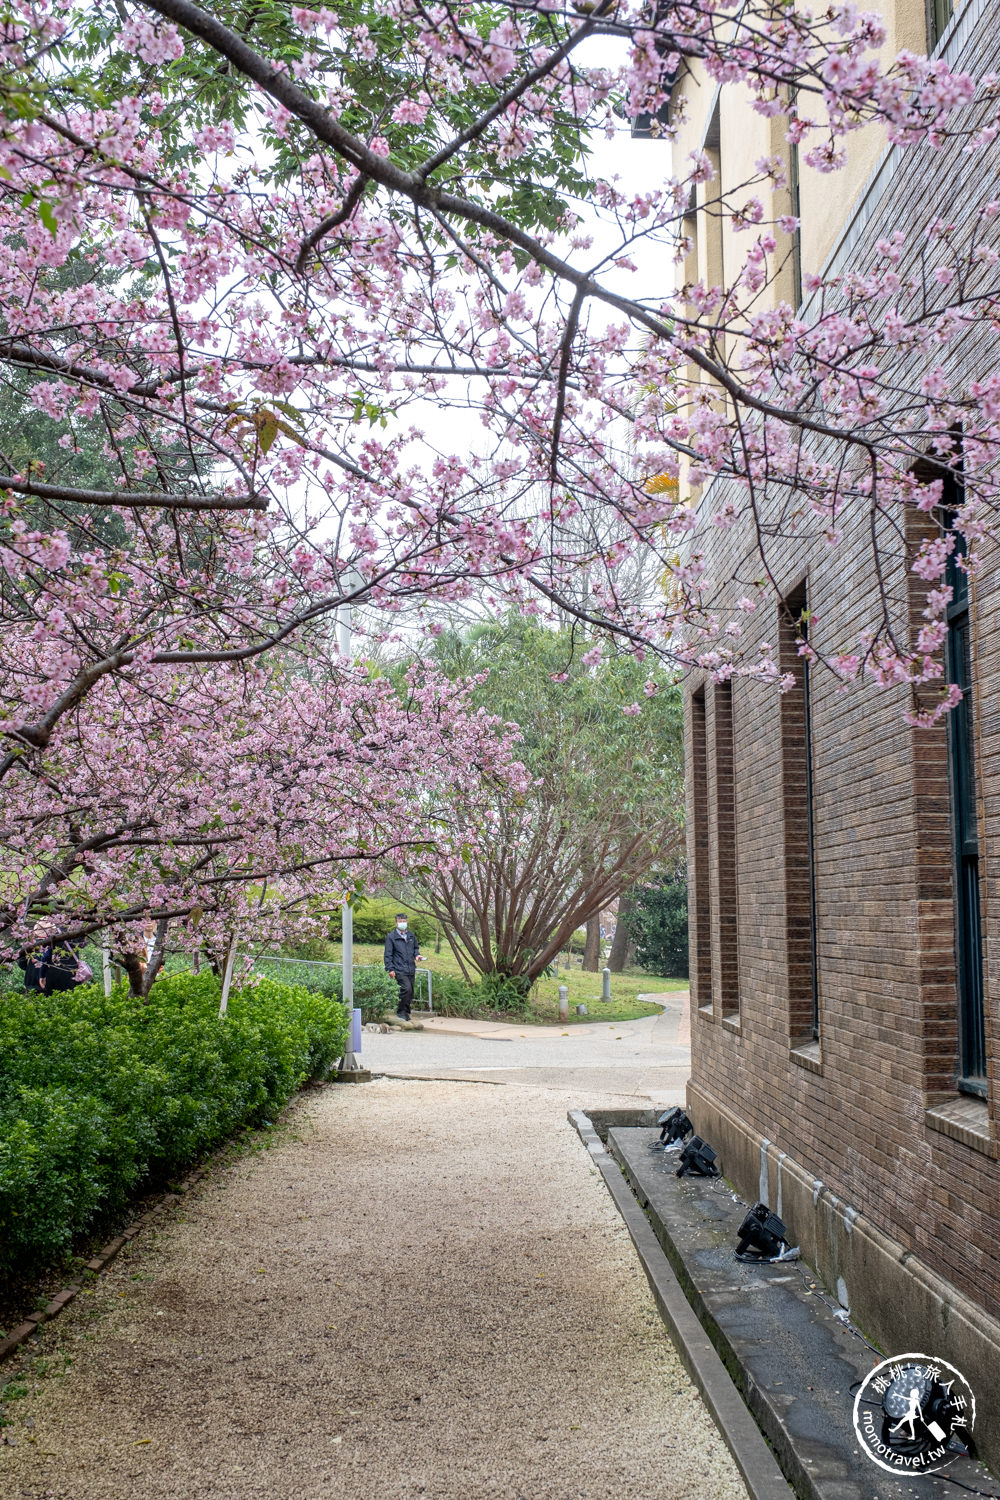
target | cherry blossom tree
[
  {"x": 218, "y": 800},
  {"x": 356, "y": 320}
]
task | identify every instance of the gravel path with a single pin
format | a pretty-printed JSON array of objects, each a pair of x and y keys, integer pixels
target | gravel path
[{"x": 422, "y": 1288}]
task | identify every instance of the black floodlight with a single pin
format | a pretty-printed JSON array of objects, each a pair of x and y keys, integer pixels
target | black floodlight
[
  {"x": 674, "y": 1127},
  {"x": 763, "y": 1233},
  {"x": 698, "y": 1159}
]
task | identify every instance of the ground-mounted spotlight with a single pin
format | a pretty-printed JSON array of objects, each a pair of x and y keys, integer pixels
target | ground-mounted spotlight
[
  {"x": 763, "y": 1237},
  {"x": 674, "y": 1128},
  {"x": 697, "y": 1159}
]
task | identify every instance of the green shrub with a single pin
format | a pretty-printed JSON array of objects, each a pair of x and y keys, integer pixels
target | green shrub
[
  {"x": 98, "y": 1094},
  {"x": 657, "y": 920},
  {"x": 374, "y": 993},
  {"x": 318, "y": 950},
  {"x": 319, "y": 977},
  {"x": 505, "y": 992},
  {"x": 453, "y": 997}
]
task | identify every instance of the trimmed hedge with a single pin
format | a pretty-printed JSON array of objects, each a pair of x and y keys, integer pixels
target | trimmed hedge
[
  {"x": 97, "y": 1095},
  {"x": 374, "y": 991}
]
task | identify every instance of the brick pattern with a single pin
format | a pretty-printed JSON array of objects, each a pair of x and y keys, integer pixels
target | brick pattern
[{"x": 932, "y": 860}]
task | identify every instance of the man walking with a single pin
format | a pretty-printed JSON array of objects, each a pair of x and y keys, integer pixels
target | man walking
[{"x": 401, "y": 959}]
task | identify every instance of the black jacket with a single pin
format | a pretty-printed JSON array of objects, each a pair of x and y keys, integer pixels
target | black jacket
[
  {"x": 401, "y": 949},
  {"x": 49, "y": 969}
]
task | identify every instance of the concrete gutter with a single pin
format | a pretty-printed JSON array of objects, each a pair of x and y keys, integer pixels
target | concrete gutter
[{"x": 754, "y": 1459}]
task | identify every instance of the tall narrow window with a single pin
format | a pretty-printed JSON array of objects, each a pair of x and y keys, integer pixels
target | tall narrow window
[
  {"x": 714, "y": 271},
  {"x": 795, "y": 200},
  {"x": 725, "y": 848},
  {"x": 939, "y": 14},
  {"x": 701, "y": 906},
  {"x": 965, "y": 826},
  {"x": 802, "y": 953}
]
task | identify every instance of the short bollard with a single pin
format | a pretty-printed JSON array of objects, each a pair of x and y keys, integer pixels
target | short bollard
[
  {"x": 606, "y": 992},
  {"x": 563, "y": 1003},
  {"x": 581, "y": 1010}
]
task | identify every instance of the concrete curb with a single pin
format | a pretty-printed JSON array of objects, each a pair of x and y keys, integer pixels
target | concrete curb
[{"x": 754, "y": 1459}]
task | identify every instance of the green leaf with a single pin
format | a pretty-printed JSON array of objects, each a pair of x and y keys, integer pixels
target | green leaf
[{"x": 47, "y": 215}]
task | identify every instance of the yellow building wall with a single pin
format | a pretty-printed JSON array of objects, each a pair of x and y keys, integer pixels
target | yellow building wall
[{"x": 827, "y": 200}]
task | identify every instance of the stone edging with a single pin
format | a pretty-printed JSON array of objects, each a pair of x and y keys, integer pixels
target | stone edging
[
  {"x": 97, "y": 1263},
  {"x": 111, "y": 1250},
  {"x": 754, "y": 1459}
]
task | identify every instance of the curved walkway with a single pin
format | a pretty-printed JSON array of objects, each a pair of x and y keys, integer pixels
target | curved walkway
[
  {"x": 645, "y": 1061},
  {"x": 420, "y": 1289}
]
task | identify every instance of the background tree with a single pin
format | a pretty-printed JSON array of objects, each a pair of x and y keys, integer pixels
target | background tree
[
  {"x": 604, "y": 801},
  {"x": 622, "y": 944},
  {"x": 657, "y": 918}
]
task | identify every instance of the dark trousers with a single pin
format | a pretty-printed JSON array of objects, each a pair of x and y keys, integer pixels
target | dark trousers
[{"x": 405, "y": 983}]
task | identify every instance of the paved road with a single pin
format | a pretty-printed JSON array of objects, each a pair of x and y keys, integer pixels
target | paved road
[
  {"x": 421, "y": 1289},
  {"x": 646, "y": 1061}
]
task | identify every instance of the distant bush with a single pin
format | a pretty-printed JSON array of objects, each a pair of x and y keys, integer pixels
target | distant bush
[
  {"x": 319, "y": 977},
  {"x": 98, "y": 1094},
  {"x": 375, "y": 993},
  {"x": 657, "y": 919},
  {"x": 319, "y": 950},
  {"x": 578, "y": 942},
  {"x": 374, "y": 916}
]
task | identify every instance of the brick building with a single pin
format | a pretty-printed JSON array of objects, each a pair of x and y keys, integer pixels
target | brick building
[{"x": 845, "y": 906}]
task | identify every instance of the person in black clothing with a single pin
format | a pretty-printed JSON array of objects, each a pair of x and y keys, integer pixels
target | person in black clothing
[
  {"x": 401, "y": 958},
  {"x": 32, "y": 961},
  {"x": 50, "y": 968}
]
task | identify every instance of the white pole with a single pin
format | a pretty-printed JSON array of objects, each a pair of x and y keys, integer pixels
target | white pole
[
  {"x": 227, "y": 975},
  {"x": 348, "y": 953},
  {"x": 106, "y": 964}
]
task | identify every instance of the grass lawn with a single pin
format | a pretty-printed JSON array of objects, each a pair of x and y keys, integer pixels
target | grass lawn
[{"x": 584, "y": 988}]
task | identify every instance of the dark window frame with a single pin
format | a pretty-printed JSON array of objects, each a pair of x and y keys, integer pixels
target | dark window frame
[
  {"x": 799, "y": 818},
  {"x": 964, "y": 819},
  {"x": 726, "y": 863},
  {"x": 939, "y": 14},
  {"x": 702, "y": 993}
]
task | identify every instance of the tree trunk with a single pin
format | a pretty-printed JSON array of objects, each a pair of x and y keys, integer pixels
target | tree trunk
[
  {"x": 592, "y": 951},
  {"x": 154, "y": 959},
  {"x": 621, "y": 943},
  {"x": 132, "y": 964}
]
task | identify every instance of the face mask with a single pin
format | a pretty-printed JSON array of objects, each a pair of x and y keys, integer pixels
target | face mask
[{"x": 400, "y": 926}]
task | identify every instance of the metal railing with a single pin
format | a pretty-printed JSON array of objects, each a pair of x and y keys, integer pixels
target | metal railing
[{"x": 276, "y": 966}]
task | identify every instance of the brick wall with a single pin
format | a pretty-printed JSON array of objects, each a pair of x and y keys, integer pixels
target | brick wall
[{"x": 873, "y": 1110}]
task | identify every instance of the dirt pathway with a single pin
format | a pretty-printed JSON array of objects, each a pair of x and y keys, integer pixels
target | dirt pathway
[{"x": 423, "y": 1289}]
